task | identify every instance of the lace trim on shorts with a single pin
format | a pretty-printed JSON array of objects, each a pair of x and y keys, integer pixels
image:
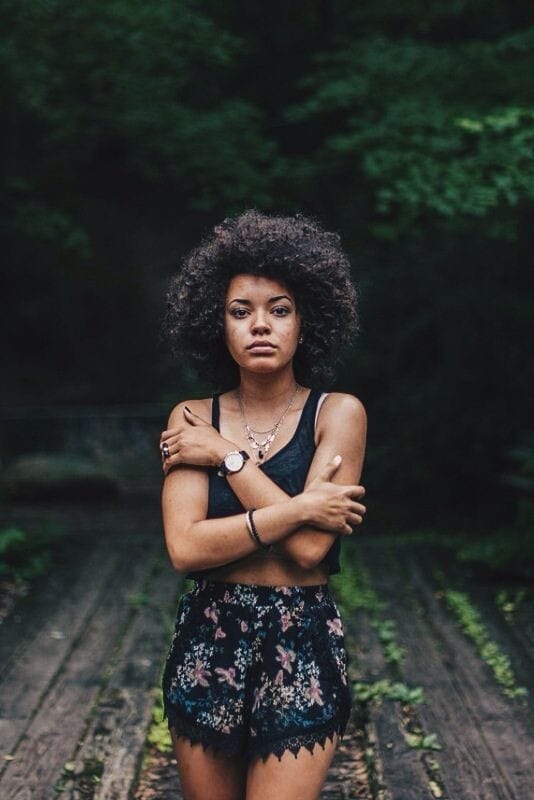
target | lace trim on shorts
[{"x": 231, "y": 746}]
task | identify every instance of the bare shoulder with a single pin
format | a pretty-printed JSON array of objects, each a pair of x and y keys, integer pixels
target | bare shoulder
[
  {"x": 348, "y": 405},
  {"x": 341, "y": 411},
  {"x": 200, "y": 406}
]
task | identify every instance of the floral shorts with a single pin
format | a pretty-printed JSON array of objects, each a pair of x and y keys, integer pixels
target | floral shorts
[{"x": 254, "y": 670}]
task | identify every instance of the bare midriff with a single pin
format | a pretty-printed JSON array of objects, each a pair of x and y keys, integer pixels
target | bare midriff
[{"x": 268, "y": 569}]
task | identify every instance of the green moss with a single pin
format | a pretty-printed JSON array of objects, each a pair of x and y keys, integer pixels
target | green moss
[
  {"x": 469, "y": 619},
  {"x": 388, "y": 690}
]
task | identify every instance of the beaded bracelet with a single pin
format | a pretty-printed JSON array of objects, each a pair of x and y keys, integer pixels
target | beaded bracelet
[{"x": 254, "y": 531}]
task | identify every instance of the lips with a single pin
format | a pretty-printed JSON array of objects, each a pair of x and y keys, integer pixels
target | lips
[{"x": 265, "y": 346}]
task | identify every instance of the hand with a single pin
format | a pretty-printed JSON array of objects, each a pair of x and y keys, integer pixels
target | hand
[
  {"x": 196, "y": 443},
  {"x": 332, "y": 506}
]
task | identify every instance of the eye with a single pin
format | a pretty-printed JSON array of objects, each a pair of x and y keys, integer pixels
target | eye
[
  {"x": 238, "y": 313},
  {"x": 281, "y": 311}
]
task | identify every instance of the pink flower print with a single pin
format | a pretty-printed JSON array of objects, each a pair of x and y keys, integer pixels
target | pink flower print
[
  {"x": 219, "y": 633},
  {"x": 211, "y": 613},
  {"x": 199, "y": 673},
  {"x": 258, "y": 696},
  {"x": 285, "y": 657},
  {"x": 335, "y": 626},
  {"x": 279, "y": 680},
  {"x": 227, "y": 676},
  {"x": 244, "y": 626},
  {"x": 283, "y": 589},
  {"x": 286, "y": 621},
  {"x": 313, "y": 693}
]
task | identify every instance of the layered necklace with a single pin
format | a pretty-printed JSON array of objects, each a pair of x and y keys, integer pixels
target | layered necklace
[{"x": 263, "y": 446}]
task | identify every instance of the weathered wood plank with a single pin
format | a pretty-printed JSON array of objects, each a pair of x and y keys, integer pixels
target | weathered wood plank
[
  {"x": 443, "y": 662},
  {"x": 36, "y": 662},
  {"x": 400, "y": 767},
  {"x": 114, "y": 742},
  {"x": 51, "y": 739},
  {"x": 33, "y": 611},
  {"x": 506, "y": 725},
  {"x": 514, "y": 634}
]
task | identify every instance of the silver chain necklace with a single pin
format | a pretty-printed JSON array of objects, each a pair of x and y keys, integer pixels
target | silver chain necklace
[{"x": 263, "y": 446}]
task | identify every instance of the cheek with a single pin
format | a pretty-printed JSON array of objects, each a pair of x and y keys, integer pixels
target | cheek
[
  {"x": 290, "y": 331},
  {"x": 231, "y": 335}
]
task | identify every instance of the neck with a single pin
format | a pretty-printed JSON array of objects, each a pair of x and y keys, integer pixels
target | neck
[{"x": 269, "y": 389}]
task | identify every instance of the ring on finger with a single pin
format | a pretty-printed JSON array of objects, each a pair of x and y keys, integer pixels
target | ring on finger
[{"x": 165, "y": 450}]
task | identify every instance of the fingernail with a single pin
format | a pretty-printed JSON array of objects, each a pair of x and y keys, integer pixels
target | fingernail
[{"x": 336, "y": 459}]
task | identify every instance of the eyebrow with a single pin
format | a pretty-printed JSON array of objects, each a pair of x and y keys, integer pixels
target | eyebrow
[{"x": 271, "y": 299}]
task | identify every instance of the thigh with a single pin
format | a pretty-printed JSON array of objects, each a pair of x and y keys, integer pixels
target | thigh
[
  {"x": 207, "y": 775},
  {"x": 291, "y": 778}
]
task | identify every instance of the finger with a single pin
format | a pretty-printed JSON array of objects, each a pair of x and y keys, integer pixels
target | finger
[
  {"x": 171, "y": 462},
  {"x": 193, "y": 418},
  {"x": 169, "y": 434},
  {"x": 330, "y": 468},
  {"x": 355, "y": 491}
]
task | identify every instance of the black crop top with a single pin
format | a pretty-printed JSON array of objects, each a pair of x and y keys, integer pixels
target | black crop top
[{"x": 288, "y": 468}]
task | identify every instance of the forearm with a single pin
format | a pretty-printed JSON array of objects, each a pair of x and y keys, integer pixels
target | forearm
[
  {"x": 212, "y": 543},
  {"x": 254, "y": 489}
]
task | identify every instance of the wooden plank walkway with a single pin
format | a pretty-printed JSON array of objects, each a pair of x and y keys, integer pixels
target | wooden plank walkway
[
  {"x": 81, "y": 658},
  {"x": 77, "y": 689}
]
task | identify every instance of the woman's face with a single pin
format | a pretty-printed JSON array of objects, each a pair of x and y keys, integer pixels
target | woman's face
[{"x": 261, "y": 323}]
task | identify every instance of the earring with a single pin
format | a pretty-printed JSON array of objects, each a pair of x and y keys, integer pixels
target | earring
[{"x": 301, "y": 339}]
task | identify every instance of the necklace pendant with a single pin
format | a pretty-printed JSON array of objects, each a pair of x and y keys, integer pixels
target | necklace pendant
[{"x": 260, "y": 453}]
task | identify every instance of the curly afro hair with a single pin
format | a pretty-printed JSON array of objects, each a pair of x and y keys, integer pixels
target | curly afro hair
[{"x": 293, "y": 250}]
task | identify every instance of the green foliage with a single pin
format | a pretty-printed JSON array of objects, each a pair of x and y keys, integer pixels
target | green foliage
[
  {"x": 11, "y": 539},
  {"x": 505, "y": 550},
  {"x": 23, "y": 558},
  {"x": 407, "y": 123},
  {"x": 469, "y": 619},
  {"x": 422, "y": 741},
  {"x": 158, "y": 734},
  {"x": 353, "y": 589},
  {"x": 388, "y": 690},
  {"x": 510, "y": 602}
]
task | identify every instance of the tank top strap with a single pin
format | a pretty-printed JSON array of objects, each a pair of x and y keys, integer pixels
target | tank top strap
[{"x": 306, "y": 425}]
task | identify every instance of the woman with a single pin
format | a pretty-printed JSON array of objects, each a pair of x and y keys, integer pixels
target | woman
[{"x": 261, "y": 481}]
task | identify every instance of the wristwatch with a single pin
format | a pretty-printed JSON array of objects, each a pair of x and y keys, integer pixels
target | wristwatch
[{"x": 232, "y": 462}]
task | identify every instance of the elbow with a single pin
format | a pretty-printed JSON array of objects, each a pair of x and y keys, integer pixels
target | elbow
[
  {"x": 178, "y": 561},
  {"x": 309, "y": 558},
  {"x": 179, "y": 555},
  {"x": 179, "y": 565}
]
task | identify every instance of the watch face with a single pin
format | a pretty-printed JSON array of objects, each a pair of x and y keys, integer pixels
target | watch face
[{"x": 233, "y": 461}]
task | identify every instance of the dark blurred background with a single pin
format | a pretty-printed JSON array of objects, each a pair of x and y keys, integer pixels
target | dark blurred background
[{"x": 130, "y": 128}]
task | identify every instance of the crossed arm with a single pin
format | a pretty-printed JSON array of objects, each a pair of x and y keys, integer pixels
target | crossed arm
[{"x": 281, "y": 520}]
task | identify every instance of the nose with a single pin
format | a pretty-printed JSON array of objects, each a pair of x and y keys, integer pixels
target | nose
[{"x": 260, "y": 323}]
